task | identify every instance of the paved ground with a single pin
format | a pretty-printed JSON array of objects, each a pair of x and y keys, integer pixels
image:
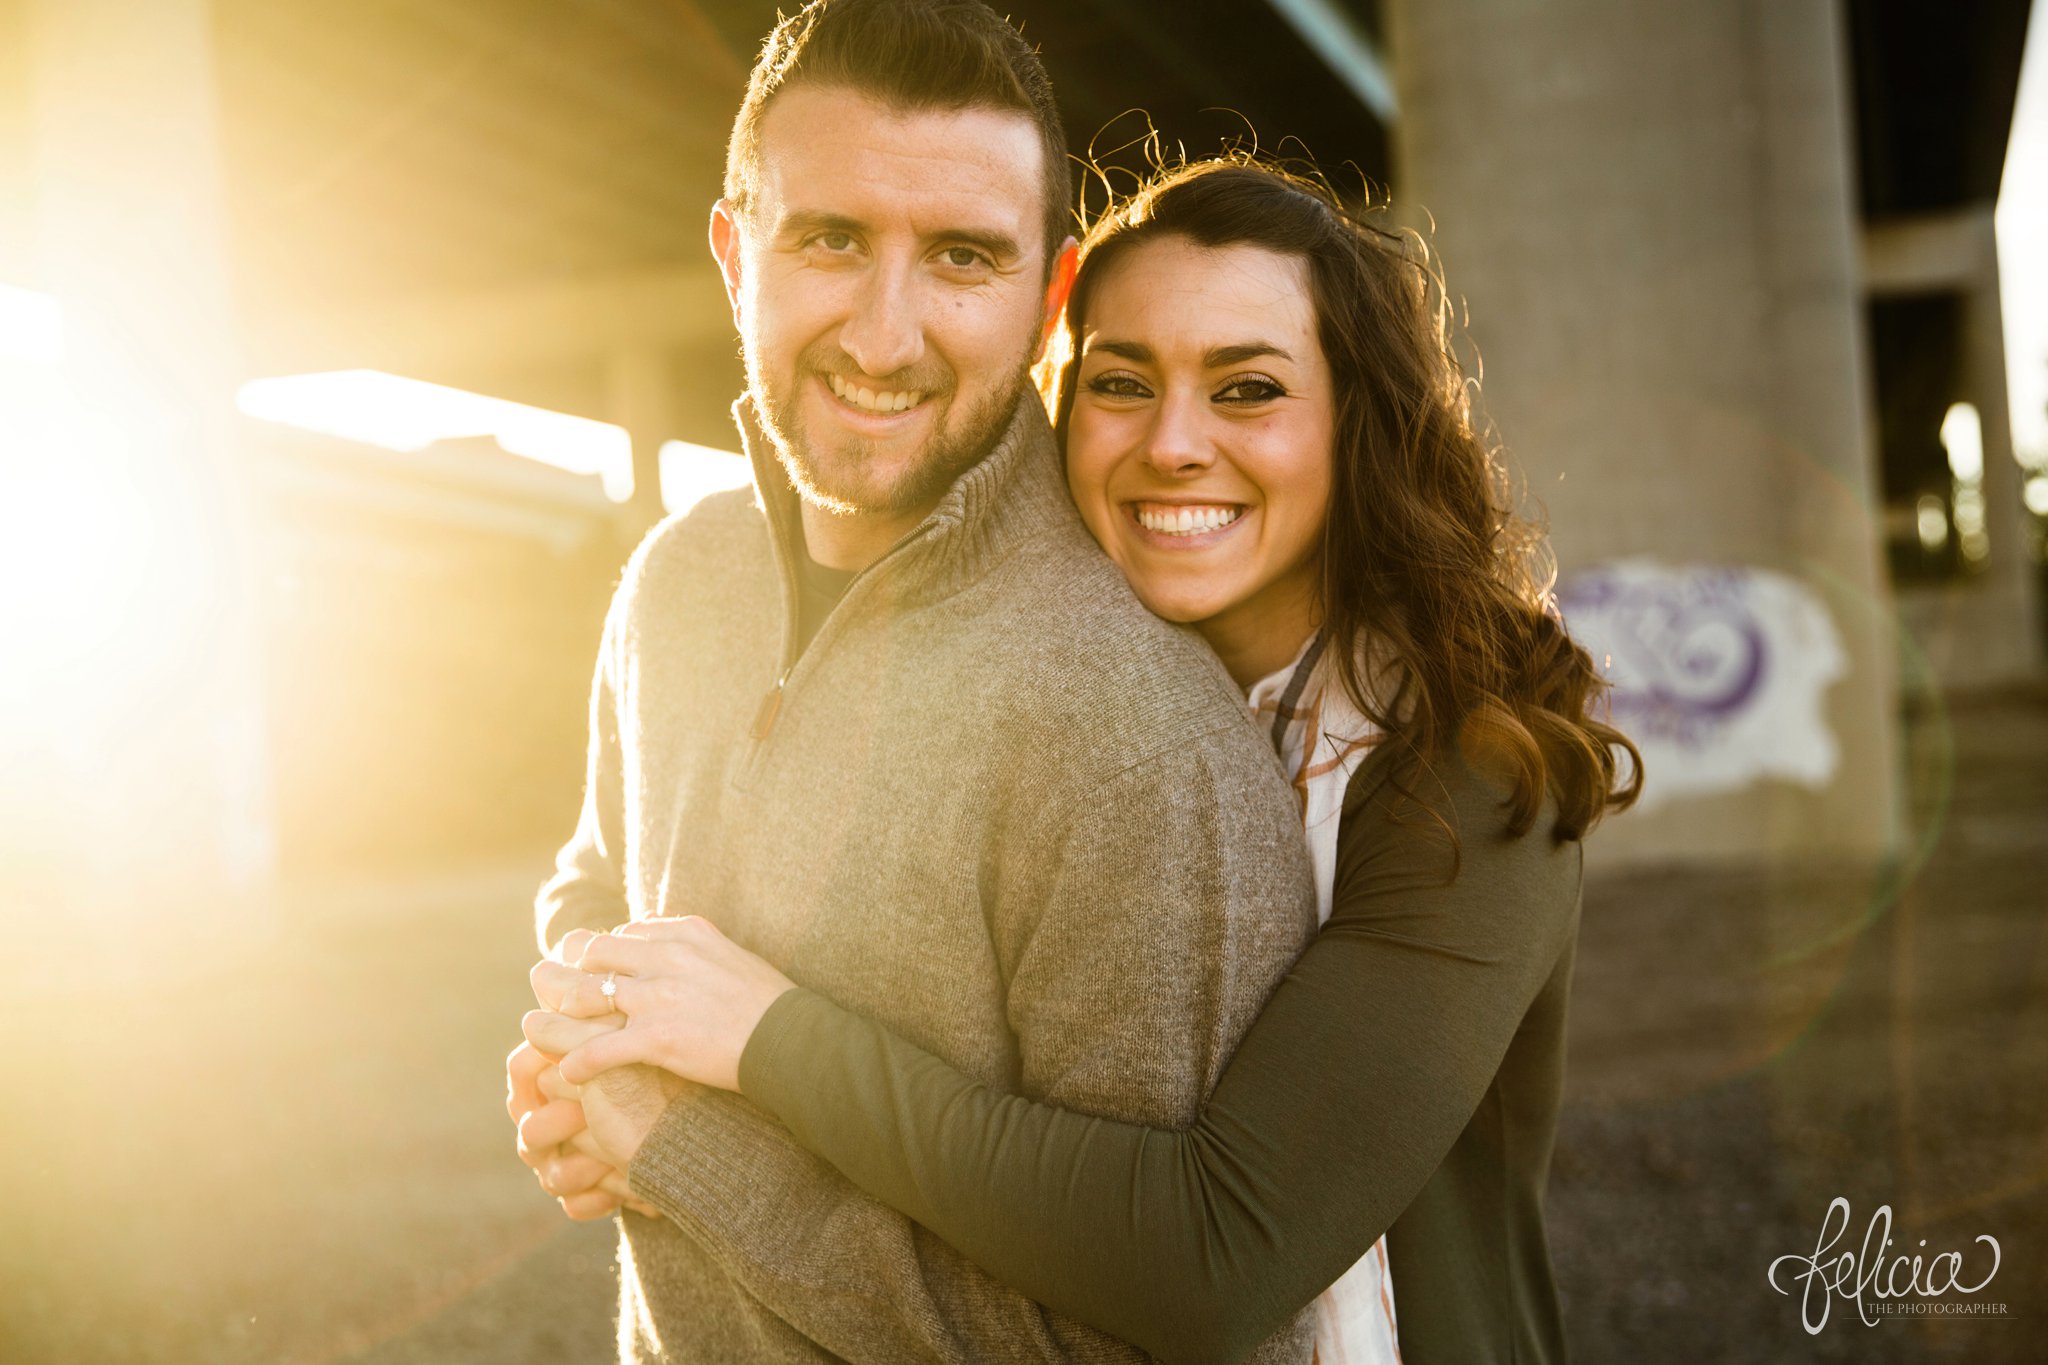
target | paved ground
[
  {"x": 1747, "y": 1048},
  {"x": 303, "y": 1159}
]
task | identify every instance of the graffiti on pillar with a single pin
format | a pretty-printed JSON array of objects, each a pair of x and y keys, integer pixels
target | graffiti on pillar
[{"x": 1720, "y": 672}]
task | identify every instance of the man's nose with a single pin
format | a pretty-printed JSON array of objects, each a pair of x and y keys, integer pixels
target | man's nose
[
  {"x": 1177, "y": 443},
  {"x": 886, "y": 331}
]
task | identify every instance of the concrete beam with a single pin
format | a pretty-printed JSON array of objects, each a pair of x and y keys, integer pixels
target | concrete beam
[
  {"x": 470, "y": 490},
  {"x": 510, "y": 329},
  {"x": 1332, "y": 35},
  {"x": 1952, "y": 250}
]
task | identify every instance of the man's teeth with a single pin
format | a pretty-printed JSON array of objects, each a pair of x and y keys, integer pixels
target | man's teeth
[
  {"x": 871, "y": 400},
  {"x": 1186, "y": 521}
]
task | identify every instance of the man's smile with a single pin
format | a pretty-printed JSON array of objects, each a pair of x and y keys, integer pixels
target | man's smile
[{"x": 873, "y": 400}]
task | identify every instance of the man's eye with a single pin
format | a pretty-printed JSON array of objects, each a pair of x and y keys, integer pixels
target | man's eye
[
  {"x": 835, "y": 241},
  {"x": 963, "y": 257},
  {"x": 1247, "y": 392}
]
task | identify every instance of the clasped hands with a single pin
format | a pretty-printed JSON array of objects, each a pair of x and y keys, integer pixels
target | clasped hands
[{"x": 596, "y": 1072}]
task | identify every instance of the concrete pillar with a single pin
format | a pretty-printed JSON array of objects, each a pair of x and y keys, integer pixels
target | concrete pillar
[
  {"x": 1650, "y": 212},
  {"x": 640, "y": 397},
  {"x": 16, "y": 197},
  {"x": 156, "y": 679},
  {"x": 2011, "y": 583},
  {"x": 1983, "y": 628}
]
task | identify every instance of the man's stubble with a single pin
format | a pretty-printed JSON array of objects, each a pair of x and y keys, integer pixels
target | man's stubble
[{"x": 839, "y": 486}]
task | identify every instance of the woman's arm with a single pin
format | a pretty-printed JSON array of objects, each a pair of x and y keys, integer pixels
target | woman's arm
[{"x": 1354, "y": 1083}]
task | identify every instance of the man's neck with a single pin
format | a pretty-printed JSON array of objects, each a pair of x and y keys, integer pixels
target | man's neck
[{"x": 852, "y": 541}]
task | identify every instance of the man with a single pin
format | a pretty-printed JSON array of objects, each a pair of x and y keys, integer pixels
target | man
[{"x": 895, "y": 723}]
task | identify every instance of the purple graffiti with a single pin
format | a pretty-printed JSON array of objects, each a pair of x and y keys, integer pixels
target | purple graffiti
[{"x": 1685, "y": 654}]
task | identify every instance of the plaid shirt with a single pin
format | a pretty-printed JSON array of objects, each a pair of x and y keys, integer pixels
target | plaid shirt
[{"x": 1321, "y": 738}]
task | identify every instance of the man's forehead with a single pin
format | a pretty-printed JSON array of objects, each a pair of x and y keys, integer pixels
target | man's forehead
[{"x": 833, "y": 150}]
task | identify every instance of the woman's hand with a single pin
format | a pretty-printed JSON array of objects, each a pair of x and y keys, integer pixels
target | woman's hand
[{"x": 691, "y": 998}]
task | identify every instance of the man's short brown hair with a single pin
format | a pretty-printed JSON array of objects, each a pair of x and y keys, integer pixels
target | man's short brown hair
[{"x": 910, "y": 55}]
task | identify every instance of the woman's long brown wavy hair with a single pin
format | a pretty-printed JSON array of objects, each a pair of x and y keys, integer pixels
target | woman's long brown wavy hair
[{"x": 1435, "y": 591}]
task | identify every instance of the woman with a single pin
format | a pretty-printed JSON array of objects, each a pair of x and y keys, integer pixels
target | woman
[{"x": 1267, "y": 432}]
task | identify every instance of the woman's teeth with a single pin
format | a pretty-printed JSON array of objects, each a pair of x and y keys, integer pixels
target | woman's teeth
[
  {"x": 870, "y": 400},
  {"x": 1186, "y": 521}
]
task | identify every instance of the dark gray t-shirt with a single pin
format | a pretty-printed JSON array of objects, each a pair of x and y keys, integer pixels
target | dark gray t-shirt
[{"x": 818, "y": 590}]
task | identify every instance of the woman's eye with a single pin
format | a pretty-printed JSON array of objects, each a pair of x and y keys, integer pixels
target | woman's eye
[
  {"x": 1117, "y": 386},
  {"x": 834, "y": 241},
  {"x": 1246, "y": 392}
]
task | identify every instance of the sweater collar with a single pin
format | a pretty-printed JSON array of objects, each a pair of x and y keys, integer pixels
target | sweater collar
[{"x": 1015, "y": 492}]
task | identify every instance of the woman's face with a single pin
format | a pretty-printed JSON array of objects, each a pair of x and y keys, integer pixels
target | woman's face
[{"x": 1199, "y": 446}]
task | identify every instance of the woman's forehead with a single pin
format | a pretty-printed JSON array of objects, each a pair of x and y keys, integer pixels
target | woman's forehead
[{"x": 1176, "y": 295}]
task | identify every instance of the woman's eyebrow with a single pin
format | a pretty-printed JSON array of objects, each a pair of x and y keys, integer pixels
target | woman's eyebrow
[
  {"x": 1219, "y": 356},
  {"x": 1129, "y": 350},
  {"x": 1216, "y": 357}
]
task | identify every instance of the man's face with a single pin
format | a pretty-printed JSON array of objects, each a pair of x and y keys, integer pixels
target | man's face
[{"x": 889, "y": 286}]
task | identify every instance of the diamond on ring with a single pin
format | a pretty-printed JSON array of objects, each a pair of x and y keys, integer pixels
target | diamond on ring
[{"x": 609, "y": 988}]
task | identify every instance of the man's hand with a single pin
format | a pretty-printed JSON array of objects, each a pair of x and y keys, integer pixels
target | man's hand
[
  {"x": 552, "y": 1141},
  {"x": 614, "y": 1112}
]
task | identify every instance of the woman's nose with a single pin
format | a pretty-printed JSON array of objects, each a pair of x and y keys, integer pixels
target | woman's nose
[
  {"x": 1177, "y": 442},
  {"x": 885, "y": 333}
]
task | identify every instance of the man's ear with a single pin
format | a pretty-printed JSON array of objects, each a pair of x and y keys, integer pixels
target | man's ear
[
  {"x": 1056, "y": 291},
  {"x": 725, "y": 245}
]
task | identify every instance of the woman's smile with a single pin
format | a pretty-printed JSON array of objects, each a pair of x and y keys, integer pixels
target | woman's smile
[{"x": 1186, "y": 526}]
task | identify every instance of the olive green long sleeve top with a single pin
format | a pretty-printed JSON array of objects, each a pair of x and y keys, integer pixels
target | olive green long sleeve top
[{"x": 1405, "y": 1077}]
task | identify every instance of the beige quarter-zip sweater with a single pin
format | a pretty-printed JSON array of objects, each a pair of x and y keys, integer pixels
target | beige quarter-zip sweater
[{"x": 996, "y": 805}]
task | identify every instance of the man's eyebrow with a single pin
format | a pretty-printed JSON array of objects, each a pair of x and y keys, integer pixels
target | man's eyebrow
[
  {"x": 1000, "y": 245},
  {"x": 1216, "y": 357},
  {"x": 818, "y": 220}
]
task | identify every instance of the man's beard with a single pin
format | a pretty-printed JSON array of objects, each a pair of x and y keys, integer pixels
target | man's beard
[{"x": 841, "y": 485}]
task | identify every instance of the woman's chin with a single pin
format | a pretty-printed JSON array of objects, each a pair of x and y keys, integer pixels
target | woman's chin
[{"x": 1181, "y": 608}]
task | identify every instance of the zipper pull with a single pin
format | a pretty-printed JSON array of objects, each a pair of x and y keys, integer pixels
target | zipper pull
[{"x": 764, "y": 719}]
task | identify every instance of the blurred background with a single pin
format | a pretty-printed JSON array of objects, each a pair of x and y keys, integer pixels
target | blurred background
[{"x": 347, "y": 350}]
